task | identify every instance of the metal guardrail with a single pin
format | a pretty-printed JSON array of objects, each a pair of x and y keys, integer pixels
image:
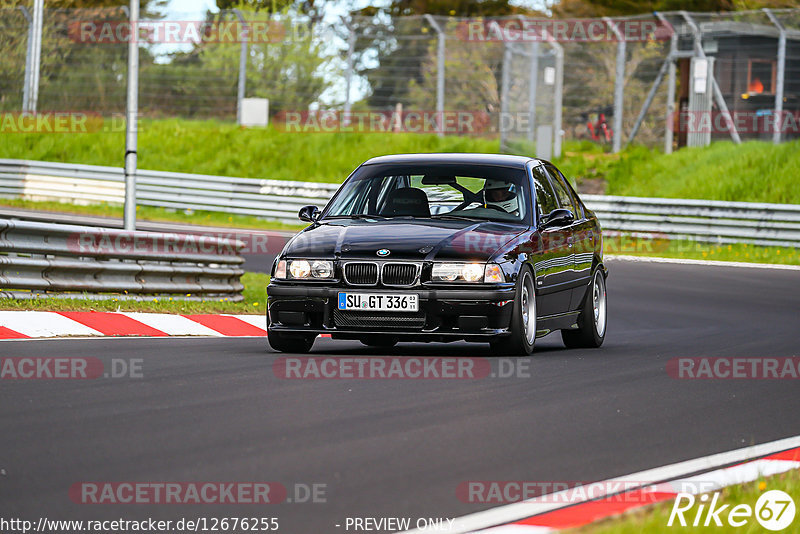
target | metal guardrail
[
  {"x": 700, "y": 220},
  {"x": 38, "y": 259},
  {"x": 273, "y": 199},
  {"x": 710, "y": 221}
]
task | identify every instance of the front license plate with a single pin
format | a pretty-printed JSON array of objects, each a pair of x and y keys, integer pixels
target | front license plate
[{"x": 378, "y": 302}]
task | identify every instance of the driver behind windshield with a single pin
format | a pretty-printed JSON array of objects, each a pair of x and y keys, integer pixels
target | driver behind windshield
[{"x": 501, "y": 195}]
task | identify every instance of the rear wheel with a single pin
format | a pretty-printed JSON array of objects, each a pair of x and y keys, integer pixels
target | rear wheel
[
  {"x": 298, "y": 343},
  {"x": 523, "y": 321},
  {"x": 592, "y": 320}
]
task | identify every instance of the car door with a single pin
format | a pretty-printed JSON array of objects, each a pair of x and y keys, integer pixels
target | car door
[
  {"x": 553, "y": 266},
  {"x": 581, "y": 241}
]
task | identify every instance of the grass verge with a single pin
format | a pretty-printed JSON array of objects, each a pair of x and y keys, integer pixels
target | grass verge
[
  {"x": 255, "y": 299},
  {"x": 654, "y": 519},
  {"x": 225, "y": 149},
  {"x": 754, "y": 171}
]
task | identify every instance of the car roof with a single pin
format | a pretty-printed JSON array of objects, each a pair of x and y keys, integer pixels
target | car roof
[{"x": 502, "y": 160}]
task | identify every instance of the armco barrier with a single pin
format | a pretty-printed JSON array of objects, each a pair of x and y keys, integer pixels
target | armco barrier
[
  {"x": 72, "y": 260},
  {"x": 701, "y": 220}
]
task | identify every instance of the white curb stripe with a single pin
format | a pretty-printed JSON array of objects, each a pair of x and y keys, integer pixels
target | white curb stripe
[
  {"x": 259, "y": 321},
  {"x": 173, "y": 325},
  {"x": 518, "y": 529},
  {"x": 738, "y": 474},
  {"x": 44, "y": 324},
  {"x": 539, "y": 505},
  {"x": 710, "y": 263}
]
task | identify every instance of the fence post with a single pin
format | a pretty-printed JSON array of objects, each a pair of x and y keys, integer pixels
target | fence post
[
  {"x": 558, "y": 98},
  {"x": 348, "y": 75},
  {"x": 33, "y": 60},
  {"x": 779, "y": 81},
  {"x": 26, "y": 85},
  {"x": 440, "y": 55},
  {"x": 244, "y": 35},
  {"x": 619, "y": 85},
  {"x": 670, "y": 118},
  {"x": 131, "y": 121},
  {"x": 505, "y": 82},
  {"x": 533, "y": 81},
  {"x": 723, "y": 107}
]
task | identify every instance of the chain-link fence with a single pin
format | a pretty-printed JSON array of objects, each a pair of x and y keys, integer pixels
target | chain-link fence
[{"x": 531, "y": 83}]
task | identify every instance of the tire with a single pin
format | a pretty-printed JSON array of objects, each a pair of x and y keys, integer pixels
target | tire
[
  {"x": 379, "y": 341},
  {"x": 523, "y": 321},
  {"x": 297, "y": 343},
  {"x": 593, "y": 319}
]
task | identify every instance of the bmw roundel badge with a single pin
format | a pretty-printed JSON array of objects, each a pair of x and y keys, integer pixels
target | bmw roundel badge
[{"x": 384, "y": 252}]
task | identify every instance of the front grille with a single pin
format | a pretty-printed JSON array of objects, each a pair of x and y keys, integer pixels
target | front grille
[
  {"x": 369, "y": 320},
  {"x": 400, "y": 274},
  {"x": 361, "y": 274}
]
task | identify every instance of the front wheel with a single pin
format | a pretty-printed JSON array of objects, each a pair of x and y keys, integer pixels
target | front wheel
[
  {"x": 523, "y": 321},
  {"x": 592, "y": 320},
  {"x": 283, "y": 342}
]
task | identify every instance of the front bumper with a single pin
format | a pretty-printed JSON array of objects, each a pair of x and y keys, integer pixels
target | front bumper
[{"x": 444, "y": 314}]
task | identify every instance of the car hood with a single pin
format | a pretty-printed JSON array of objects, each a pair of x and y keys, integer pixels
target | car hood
[{"x": 404, "y": 239}]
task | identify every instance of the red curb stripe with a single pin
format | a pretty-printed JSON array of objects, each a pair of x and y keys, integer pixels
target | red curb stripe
[
  {"x": 793, "y": 455},
  {"x": 227, "y": 326},
  {"x": 112, "y": 324},
  {"x": 7, "y": 333},
  {"x": 590, "y": 511}
]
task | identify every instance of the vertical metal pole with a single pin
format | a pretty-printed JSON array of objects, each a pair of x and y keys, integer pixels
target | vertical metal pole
[
  {"x": 348, "y": 75},
  {"x": 533, "y": 81},
  {"x": 245, "y": 37},
  {"x": 505, "y": 82},
  {"x": 131, "y": 119},
  {"x": 720, "y": 100},
  {"x": 776, "y": 132},
  {"x": 440, "y": 56},
  {"x": 558, "y": 99},
  {"x": 619, "y": 85},
  {"x": 670, "y": 124},
  {"x": 36, "y": 55},
  {"x": 26, "y": 87}
]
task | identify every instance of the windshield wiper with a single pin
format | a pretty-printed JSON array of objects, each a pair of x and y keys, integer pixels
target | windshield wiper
[
  {"x": 356, "y": 216},
  {"x": 458, "y": 217}
]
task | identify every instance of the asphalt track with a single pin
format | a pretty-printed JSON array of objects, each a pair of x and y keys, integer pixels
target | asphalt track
[{"x": 213, "y": 410}]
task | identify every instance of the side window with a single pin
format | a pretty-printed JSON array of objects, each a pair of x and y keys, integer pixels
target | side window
[
  {"x": 561, "y": 189},
  {"x": 545, "y": 198}
]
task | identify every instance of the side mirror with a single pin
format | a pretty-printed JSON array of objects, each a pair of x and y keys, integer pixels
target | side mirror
[
  {"x": 557, "y": 218},
  {"x": 309, "y": 214}
]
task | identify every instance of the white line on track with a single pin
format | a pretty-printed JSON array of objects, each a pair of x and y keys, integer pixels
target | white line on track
[
  {"x": 546, "y": 503},
  {"x": 710, "y": 263}
]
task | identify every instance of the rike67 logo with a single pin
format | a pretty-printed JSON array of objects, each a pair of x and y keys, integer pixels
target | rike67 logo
[{"x": 774, "y": 510}]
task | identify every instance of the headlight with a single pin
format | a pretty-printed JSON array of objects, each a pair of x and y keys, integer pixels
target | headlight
[
  {"x": 467, "y": 272},
  {"x": 305, "y": 269}
]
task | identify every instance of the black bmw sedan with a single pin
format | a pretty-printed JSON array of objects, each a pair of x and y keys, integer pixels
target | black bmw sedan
[{"x": 443, "y": 247}]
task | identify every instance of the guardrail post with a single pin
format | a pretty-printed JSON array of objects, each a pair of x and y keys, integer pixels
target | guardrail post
[
  {"x": 440, "y": 56},
  {"x": 131, "y": 125},
  {"x": 779, "y": 81}
]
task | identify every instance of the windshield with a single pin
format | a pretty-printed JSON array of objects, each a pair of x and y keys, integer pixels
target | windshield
[{"x": 467, "y": 192}]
